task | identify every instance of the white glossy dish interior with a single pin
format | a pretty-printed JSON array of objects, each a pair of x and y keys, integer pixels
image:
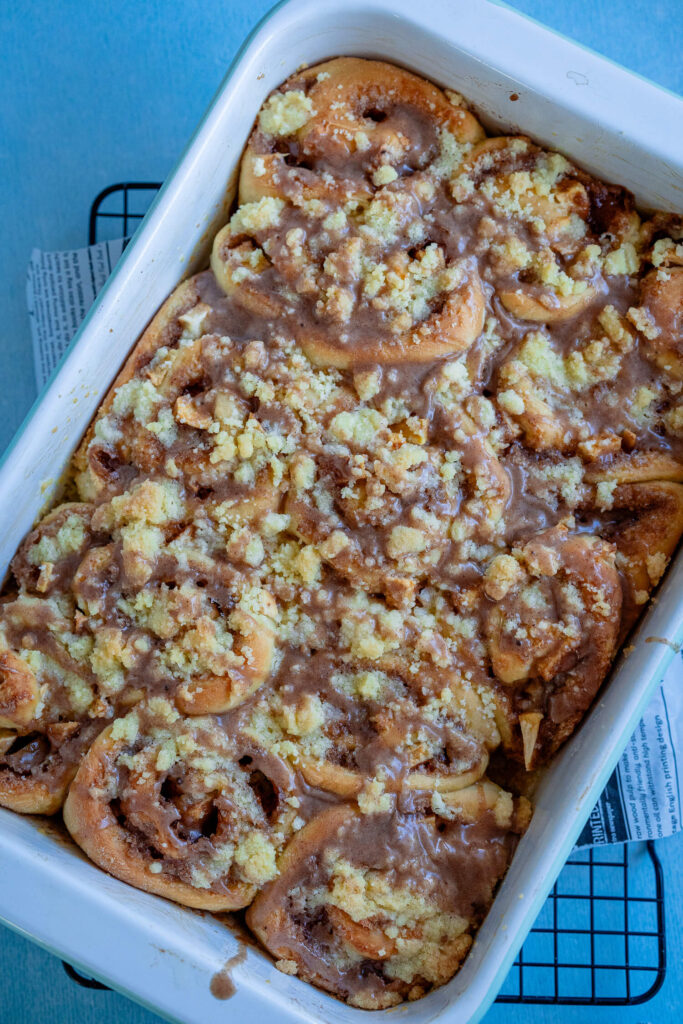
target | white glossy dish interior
[{"x": 619, "y": 127}]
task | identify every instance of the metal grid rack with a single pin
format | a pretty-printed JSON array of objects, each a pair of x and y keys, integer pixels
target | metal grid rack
[
  {"x": 600, "y": 938},
  {"x": 118, "y": 209}
]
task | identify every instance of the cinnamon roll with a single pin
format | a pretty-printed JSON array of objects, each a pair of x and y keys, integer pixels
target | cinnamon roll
[
  {"x": 170, "y": 420},
  {"x": 551, "y": 623},
  {"x": 351, "y": 727},
  {"x": 173, "y": 806},
  {"x": 345, "y": 163},
  {"x": 339, "y": 130},
  {"x": 644, "y": 521},
  {"x": 191, "y": 632},
  {"x": 385, "y": 507},
  {"x": 50, "y": 707},
  {"x": 550, "y": 232},
  {"x": 378, "y": 908}
]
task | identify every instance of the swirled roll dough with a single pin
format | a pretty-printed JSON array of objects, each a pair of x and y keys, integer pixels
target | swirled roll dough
[
  {"x": 50, "y": 709},
  {"x": 551, "y": 626},
  {"x": 379, "y": 908},
  {"x": 175, "y": 807},
  {"x": 337, "y": 129},
  {"x": 346, "y": 724}
]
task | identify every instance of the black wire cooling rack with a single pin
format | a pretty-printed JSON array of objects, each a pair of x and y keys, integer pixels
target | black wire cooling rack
[
  {"x": 600, "y": 938},
  {"x": 118, "y": 209}
]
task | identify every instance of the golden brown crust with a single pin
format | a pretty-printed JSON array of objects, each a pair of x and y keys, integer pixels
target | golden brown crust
[
  {"x": 37, "y": 765},
  {"x": 662, "y": 300},
  {"x": 638, "y": 467},
  {"x": 647, "y": 527},
  {"x": 26, "y": 796}
]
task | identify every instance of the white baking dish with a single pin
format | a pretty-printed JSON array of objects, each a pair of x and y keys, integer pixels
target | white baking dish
[{"x": 619, "y": 127}]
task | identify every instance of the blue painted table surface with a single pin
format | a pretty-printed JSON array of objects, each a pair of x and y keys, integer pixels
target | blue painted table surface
[{"x": 94, "y": 93}]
